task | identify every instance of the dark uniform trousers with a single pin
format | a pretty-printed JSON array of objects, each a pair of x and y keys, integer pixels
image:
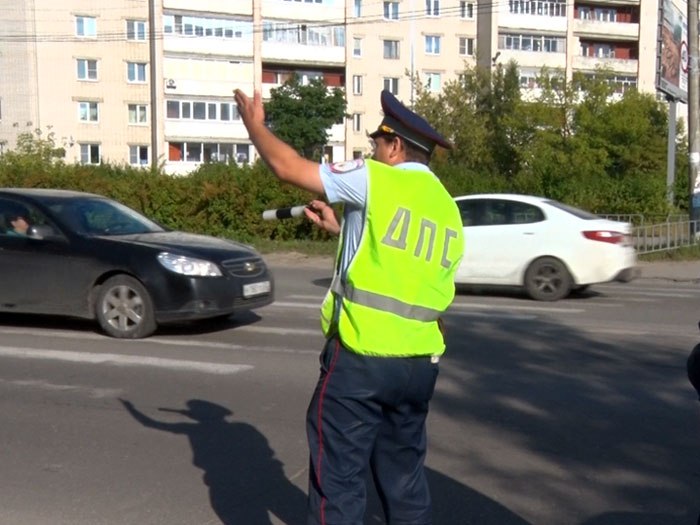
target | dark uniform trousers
[{"x": 369, "y": 412}]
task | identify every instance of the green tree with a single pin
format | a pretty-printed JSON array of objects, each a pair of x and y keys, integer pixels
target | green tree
[{"x": 301, "y": 114}]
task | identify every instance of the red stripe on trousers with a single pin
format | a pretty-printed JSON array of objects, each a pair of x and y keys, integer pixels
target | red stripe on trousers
[{"x": 320, "y": 427}]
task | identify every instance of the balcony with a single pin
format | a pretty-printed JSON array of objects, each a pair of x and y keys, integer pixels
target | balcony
[
  {"x": 199, "y": 46},
  {"x": 607, "y": 30},
  {"x": 618, "y": 65},
  {"x": 286, "y": 53}
]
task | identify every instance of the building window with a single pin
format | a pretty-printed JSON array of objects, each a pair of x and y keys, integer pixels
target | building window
[
  {"x": 201, "y": 110},
  {"x": 432, "y": 7},
  {"x": 136, "y": 72},
  {"x": 597, "y": 50},
  {"x": 433, "y": 82},
  {"x": 466, "y": 46},
  {"x": 432, "y": 45},
  {"x": 172, "y": 109},
  {"x": 356, "y": 122},
  {"x": 87, "y": 69},
  {"x": 391, "y": 49},
  {"x": 538, "y": 7},
  {"x": 391, "y": 10},
  {"x": 535, "y": 43},
  {"x": 357, "y": 47},
  {"x": 605, "y": 14},
  {"x": 205, "y": 27},
  {"x": 208, "y": 152},
  {"x": 228, "y": 112},
  {"x": 85, "y": 26},
  {"x": 89, "y": 153},
  {"x": 357, "y": 84},
  {"x": 391, "y": 84},
  {"x": 466, "y": 9},
  {"x": 357, "y": 9},
  {"x": 138, "y": 114},
  {"x": 528, "y": 78},
  {"x": 138, "y": 155},
  {"x": 135, "y": 30},
  {"x": 88, "y": 112}
]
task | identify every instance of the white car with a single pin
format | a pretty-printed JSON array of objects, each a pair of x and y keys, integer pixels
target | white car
[{"x": 542, "y": 245}]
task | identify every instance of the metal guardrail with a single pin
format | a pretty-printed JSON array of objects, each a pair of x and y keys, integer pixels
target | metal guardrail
[
  {"x": 655, "y": 233},
  {"x": 666, "y": 236}
]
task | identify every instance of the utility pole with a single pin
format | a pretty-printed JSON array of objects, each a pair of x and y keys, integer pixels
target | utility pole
[
  {"x": 693, "y": 115},
  {"x": 155, "y": 82},
  {"x": 257, "y": 46}
]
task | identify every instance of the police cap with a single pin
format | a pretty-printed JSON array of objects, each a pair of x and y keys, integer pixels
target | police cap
[{"x": 401, "y": 121}]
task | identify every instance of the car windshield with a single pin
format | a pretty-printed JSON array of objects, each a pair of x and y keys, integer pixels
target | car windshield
[
  {"x": 95, "y": 216},
  {"x": 581, "y": 214}
]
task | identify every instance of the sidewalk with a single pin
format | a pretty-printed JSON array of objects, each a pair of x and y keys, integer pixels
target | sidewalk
[{"x": 681, "y": 271}]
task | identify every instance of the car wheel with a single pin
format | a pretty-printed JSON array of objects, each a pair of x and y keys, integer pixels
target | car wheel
[
  {"x": 547, "y": 279},
  {"x": 124, "y": 308}
]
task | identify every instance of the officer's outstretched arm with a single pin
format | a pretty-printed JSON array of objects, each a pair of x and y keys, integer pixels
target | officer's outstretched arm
[{"x": 284, "y": 161}]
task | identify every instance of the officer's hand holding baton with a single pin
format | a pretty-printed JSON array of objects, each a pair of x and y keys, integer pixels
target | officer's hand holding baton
[
  {"x": 317, "y": 211},
  {"x": 323, "y": 216}
]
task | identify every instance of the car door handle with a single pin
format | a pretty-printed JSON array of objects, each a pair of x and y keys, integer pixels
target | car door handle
[{"x": 528, "y": 233}]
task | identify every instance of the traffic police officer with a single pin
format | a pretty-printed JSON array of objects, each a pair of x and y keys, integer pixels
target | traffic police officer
[{"x": 400, "y": 245}]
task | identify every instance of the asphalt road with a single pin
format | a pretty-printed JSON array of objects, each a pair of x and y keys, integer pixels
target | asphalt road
[{"x": 575, "y": 413}]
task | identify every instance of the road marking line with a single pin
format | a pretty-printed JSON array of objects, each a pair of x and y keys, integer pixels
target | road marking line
[
  {"x": 98, "y": 393},
  {"x": 606, "y": 305},
  {"x": 163, "y": 341},
  {"x": 122, "y": 360},
  {"x": 662, "y": 294},
  {"x": 279, "y": 331},
  {"x": 493, "y": 315},
  {"x": 285, "y": 304},
  {"x": 481, "y": 306}
]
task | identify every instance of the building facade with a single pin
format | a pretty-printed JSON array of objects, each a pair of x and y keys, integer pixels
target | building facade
[{"x": 91, "y": 74}]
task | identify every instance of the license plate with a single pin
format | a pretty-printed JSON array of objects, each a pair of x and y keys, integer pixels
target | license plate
[{"x": 253, "y": 289}]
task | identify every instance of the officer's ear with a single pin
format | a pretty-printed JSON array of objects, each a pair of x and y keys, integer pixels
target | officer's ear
[{"x": 398, "y": 147}]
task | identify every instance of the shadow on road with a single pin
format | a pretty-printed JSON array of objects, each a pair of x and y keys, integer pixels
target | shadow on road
[
  {"x": 244, "y": 477},
  {"x": 571, "y": 427},
  {"x": 246, "y": 481},
  {"x": 453, "y": 504}
]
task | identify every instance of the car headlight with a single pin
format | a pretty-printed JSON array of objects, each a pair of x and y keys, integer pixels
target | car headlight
[{"x": 188, "y": 265}]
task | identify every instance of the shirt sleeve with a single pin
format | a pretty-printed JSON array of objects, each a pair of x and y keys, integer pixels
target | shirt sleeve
[{"x": 345, "y": 182}]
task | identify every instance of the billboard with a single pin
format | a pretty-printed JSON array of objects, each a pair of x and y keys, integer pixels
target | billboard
[{"x": 672, "y": 64}]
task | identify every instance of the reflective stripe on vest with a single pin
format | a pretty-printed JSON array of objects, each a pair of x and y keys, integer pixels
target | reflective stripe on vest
[{"x": 384, "y": 303}]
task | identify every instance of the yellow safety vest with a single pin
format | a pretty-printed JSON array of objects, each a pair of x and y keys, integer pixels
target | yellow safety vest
[{"x": 402, "y": 277}]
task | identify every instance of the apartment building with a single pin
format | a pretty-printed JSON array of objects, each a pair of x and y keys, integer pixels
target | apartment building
[
  {"x": 567, "y": 37},
  {"x": 79, "y": 71},
  {"x": 393, "y": 41},
  {"x": 84, "y": 69},
  {"x": 209, "y": 50}
]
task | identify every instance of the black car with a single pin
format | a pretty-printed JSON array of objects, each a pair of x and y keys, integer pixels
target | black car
[{"x": 84, "y": 255}]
